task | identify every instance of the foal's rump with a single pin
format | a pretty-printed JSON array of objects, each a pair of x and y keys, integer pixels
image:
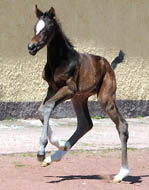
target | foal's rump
[{"x": 93, "y": 69}]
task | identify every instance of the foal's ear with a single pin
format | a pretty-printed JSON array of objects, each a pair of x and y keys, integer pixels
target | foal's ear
[
  {"x": 38, "y": 12},
  {"x": 52, "y": 13}
]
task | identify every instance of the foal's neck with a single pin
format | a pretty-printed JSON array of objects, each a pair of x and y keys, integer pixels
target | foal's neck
[{"x": 58, "y": 49}]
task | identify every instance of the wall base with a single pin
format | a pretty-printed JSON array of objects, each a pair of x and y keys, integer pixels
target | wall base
[{"x": 25, "y": 110}]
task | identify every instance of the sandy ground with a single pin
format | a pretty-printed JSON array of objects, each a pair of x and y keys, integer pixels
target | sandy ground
[
  {"x": 91, "y": 164},
  {"x": 23, "y": 135},
  {"x": 77, "y": 171}
]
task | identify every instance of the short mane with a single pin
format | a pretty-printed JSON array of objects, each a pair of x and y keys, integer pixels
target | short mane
[{"x": 59, "y": 28}]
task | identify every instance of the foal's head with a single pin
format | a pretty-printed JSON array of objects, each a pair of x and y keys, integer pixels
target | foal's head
[{"x": 43, "y": 30}]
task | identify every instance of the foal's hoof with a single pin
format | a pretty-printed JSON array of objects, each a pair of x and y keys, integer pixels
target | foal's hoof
[
  {"x": 116, "y": 180},
  {"x": 40, "y": 156},
  {"x": 124, "y": 172},
  {"x": 44, "y": 164}
]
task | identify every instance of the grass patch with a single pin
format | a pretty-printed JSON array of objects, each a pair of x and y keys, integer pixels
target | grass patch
[
  {"x": 63, "y": 140},
  {"x": 28, "y": 155},
  {"x": 100, "y": 152},
  {"x": 139, "y": 117},
  {"x": 132, "y": 149},
  {"x": 19, "y": 165},
  {"x": 108, "y": 150},
  {"x": 82, "y": 151},
  {"x": 76, "y": 152},
  {"x": 87, "y": 152},
  {"x": 10, "y": 119},
  {"x": 85, "y": 144},
  {"x": 97, "y": 117}
]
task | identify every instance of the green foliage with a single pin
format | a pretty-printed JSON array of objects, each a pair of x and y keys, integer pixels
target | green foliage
[
  {"x": 132, "y": 149},
  {"x": 97, "y": 117},
  {"x": 28, "y": 155},
  {"x": 19, "y": 165},
  {"x": 139, "y": 117}
]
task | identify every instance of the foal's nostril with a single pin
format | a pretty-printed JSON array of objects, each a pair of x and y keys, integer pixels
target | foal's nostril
[{"x": 31, "y": 46}]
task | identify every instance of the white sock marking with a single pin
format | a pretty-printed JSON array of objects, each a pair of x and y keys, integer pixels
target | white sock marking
[
  {"x": 122, "y": 174},
  {"x": 54, "y": 140},
  {"x": 58, "y": 155},
  {"x": 39, "y": 26},
  {"x": 46, "y": 111}
]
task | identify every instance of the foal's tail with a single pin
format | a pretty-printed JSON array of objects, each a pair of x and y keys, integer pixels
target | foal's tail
[{"x": 118, "y": 59}]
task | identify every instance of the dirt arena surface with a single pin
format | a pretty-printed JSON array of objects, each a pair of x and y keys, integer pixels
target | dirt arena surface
[
  {"x": 79, "y": 170},
  {"x": 20, "y": 136}
]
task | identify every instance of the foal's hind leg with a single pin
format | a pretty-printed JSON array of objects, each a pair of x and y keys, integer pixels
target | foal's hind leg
[
  {"x": 107, "y": 100},
  {"x": 83, "y": 126}
]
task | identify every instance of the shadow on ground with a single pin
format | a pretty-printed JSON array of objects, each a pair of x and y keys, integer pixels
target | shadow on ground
[
  {"x": 129, "y": 179},
  {"x": 135, "y": 179},
  {"x": 74, "y": 177}
]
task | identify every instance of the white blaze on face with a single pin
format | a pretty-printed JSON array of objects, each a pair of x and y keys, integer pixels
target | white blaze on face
[{"x": 39, "y": 26}]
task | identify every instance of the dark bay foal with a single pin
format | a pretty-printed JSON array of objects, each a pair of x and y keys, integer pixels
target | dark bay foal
[{"x": 76, "y": 76}]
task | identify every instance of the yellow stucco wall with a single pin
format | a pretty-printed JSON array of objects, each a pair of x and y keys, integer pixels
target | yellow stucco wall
[{"x": 100, "y": 27}]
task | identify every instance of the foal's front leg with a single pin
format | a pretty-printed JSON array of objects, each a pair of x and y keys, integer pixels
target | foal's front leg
[
  {"x": 47, "y": 132},
  {"x": 44, "y": 136},
  {"x": 46, "y": 109},
  {"x": 44, "y": 114},
  {"x": 84, "y": 125}
]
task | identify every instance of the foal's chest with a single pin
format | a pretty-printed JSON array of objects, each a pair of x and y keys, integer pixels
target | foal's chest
[{"x": 59, "y": 77}]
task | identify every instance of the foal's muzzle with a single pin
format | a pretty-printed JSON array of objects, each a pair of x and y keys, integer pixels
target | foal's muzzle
[{"x": 32, "y": 48}]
